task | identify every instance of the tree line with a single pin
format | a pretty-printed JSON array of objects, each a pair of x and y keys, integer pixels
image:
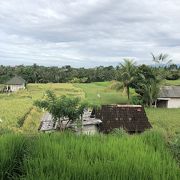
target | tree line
[{"x": 42, "y": 74}]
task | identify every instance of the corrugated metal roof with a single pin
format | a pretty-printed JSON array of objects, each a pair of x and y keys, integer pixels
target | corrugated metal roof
[
  {"x": 47, "y": 123},
  {"x": 170, "y": 92},
  {"x": 16, "y": 80}
]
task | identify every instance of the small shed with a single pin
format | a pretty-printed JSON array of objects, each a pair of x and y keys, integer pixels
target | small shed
[
  {"x": 15, "y": 83},
  {"x": 132, "y": 118},
  {"x": 169, "y": 97},
  {"x": 90, "y": 125}
]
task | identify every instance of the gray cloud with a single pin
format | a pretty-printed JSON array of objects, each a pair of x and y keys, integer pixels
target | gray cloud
[{"x": 87, "y": 33}]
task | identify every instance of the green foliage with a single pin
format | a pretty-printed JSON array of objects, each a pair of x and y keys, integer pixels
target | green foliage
[
  {"x": 116, "y": 86},
  {"x": 79, "y": 80},
  {"x": 127, "y": 70},
  {"x": 41, "y": 74},
  {"x": 62, "y": 107},
  {"x": 119, "y": 132},
  {"x": 136, "y": 100},
  {"x": 175, "y": 147},
  {"x": 166, "y": 119},
  {"x": 13, "y": 149},
  {"x": 146, "y": 84},
  {"x": 66, "y": 156}
]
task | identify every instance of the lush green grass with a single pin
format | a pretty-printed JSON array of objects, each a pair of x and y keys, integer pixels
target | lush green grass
[
  {"x": 31, "y": 123},
  {"x": 101, "y": 93},
  {"x": 67, "y": 156},
  {"x": 172, "y": 82},
  {"x": 167, "y": 119},
  {"x": 12, "y": 110},
  {"x": 15, "y": 106},
  {"x": 13, "y": 148}
]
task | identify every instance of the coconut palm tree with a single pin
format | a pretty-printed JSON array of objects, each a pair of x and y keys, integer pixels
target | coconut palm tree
[
  {"x": 127, "y": 68},
  {"x": 162, "y": 59},
  {"x": 150, "y": 91}
]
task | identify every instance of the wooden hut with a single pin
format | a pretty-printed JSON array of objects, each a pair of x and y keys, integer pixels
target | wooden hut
[
  {"x": 132, "y": 118},
  {"x": 15, "y": 83}
]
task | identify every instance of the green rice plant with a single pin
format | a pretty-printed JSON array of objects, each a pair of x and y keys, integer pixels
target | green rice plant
[
  {"x": 172, "y": 82},
  {"x": 15, "y": 107},
  {"x": 116, "y": 85},
  {"x": 174, "y": 145},
  {"x": 32, "y": 122},
  {"x": 100, "y": 93},
  {"x": 13, "y": 148},
  {"x": 12, "y": 110},
  {"x": 66, "y": 156},
  {"x": 166, "y": 119}
]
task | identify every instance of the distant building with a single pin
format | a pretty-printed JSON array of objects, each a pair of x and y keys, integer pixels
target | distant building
[
  {"x": 132, "y": 118},
  {"x": 15, "y": 83},
  {"x": 169, "y": 97}
]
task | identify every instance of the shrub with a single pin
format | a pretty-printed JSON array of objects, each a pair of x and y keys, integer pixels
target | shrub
[
  {"x": 116, "y": 86},
  {"x": 119, "y": 132},
  {"x": 136, "y": 100}
]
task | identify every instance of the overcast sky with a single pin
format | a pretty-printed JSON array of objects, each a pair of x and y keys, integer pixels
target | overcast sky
[{"x": 87, "y": 32}]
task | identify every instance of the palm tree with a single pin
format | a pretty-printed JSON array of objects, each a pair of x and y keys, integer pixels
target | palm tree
[
  {"x": 127, "y": 74},
  {"x": 150, "y": 91},
  {"x": 162, "y": 59}
]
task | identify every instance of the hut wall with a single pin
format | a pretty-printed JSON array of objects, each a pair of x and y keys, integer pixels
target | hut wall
[
  {"x": 174, "y": 103},
  {"x": 14, "y": 88}
]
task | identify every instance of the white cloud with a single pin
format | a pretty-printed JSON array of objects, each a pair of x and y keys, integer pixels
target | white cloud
[{"x": 87, "y": 33}]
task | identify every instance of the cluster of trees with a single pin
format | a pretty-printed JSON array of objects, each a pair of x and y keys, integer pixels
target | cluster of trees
[
  {"x": 146, "y": 80},
  {"x": 41, "y": 74}
]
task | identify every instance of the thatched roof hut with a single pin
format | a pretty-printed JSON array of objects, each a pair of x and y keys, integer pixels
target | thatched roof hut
[{"x": 15, "y": 83}]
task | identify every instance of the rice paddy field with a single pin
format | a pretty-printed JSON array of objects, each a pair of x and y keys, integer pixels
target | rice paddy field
[
  {"x": 66, "y": 156},
  {"x": 172, "y": 82},
  {"x": 101, "y": 93},
  {"x": 27, "y": 154},
  {"x": 17, "y": 109}
]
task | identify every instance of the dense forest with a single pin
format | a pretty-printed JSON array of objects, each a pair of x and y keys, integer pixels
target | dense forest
[{"x": 42, "y": 74}]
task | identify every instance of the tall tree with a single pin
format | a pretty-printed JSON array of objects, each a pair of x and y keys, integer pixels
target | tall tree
[
  {"x": 127, "y": 69},
  {"x": 146, "y": 84},
  {"x": 162, "y": 61}
]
